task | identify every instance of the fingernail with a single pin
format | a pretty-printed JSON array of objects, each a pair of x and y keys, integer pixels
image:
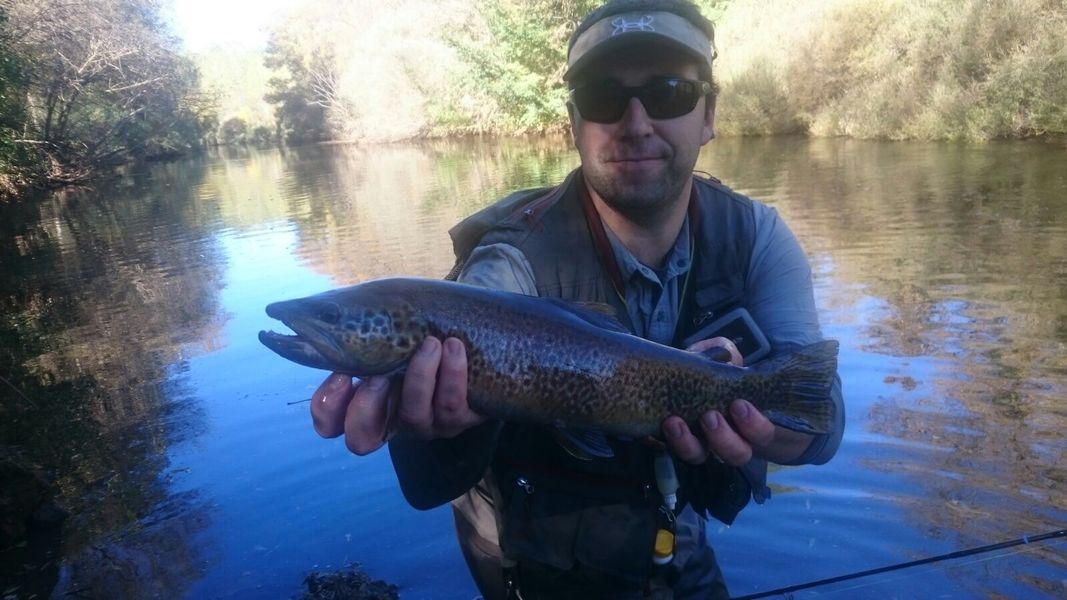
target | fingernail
[
  {"x": 427, "y": 345},
  {"x": 376, "y": 384},
  {"x": 740, "y": 409},
  {"x": 453, "y": 346},
  {"x": 711, "y": 420},
  {"x": 337, "y": 381},
  {"x": 674, "y": 430}
]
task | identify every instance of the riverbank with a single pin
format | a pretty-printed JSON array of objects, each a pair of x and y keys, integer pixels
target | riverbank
[{"x": 19, "y": 187}]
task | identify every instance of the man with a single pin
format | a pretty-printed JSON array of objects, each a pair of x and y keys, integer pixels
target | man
[{"x": 632, "y": 228}]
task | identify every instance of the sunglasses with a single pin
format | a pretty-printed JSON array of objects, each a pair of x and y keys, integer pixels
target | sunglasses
[{"x": 606, "y": 101}]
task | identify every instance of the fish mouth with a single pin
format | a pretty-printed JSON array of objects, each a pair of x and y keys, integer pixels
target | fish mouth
[{"x": 303, "y": 346}]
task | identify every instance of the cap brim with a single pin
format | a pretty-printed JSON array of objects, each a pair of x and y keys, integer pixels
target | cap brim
[
  {"x": 634, "y": 38},
  {"x": 661, "y": 28}
]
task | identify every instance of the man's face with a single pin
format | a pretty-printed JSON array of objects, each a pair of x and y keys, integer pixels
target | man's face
[{"x": 639, "y": 164}]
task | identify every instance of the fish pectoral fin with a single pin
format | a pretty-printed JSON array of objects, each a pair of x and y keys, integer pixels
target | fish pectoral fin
[
  {"x": 584, "y": 444},
  {"x": 597, "y": 314}
]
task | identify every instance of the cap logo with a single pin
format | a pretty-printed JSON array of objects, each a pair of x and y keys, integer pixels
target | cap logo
[{"x": 623, "y": 26}]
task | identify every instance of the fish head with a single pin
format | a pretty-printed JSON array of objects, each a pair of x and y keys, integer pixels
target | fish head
[{"x": 355, "y": 330}]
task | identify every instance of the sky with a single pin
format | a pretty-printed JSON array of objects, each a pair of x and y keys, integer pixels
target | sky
[{"x": 232, "y": 24}]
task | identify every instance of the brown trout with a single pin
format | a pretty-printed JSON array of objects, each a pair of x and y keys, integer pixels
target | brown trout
[{"x": 545, "y": 361}]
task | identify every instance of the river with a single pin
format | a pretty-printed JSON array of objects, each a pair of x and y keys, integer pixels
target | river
[{"x": 186, "y": 460}]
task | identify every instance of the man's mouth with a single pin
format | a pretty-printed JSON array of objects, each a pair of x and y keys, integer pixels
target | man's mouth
[
  {"x": 636, "y": 159},
  {"x": 636, "y": 164}
]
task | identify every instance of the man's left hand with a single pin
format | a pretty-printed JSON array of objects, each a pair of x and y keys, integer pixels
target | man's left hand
[{"x": 747, "y": 434}]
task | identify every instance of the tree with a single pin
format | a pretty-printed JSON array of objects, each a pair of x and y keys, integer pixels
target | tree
[
  {"x": 517, "y": 53},
  {"x": 16, "y": 160},
  {"x": 302, "y": 89},
  {"x": 104, "y": 83},
  {"x": 519, "y": 57}
]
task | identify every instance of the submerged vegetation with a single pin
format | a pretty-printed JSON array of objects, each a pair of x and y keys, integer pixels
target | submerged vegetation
[{"x": 88, "y": 84}]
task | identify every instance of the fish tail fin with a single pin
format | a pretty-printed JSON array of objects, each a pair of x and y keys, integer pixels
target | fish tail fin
[{"x": 808, "y": 374}]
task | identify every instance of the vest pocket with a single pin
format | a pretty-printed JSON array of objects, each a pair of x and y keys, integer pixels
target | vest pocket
[
  {"x": 540, "y": 524},
  {"x": 561, "y": 530},
  {"x": 618, "y": 540}
]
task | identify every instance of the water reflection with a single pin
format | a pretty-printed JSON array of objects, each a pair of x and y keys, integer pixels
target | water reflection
[
  {"x": 956, "y": 255},
  {"x": 129, "y": 320},
  {"x": 102, "y": 302}
]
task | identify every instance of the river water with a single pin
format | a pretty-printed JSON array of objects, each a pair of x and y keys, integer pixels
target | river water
[{"x": 185, "y": 457}]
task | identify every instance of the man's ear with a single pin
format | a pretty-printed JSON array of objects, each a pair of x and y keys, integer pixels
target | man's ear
[{"x": 708, "y": 132}]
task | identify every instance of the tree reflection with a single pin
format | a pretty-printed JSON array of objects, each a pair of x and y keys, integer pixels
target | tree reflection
[
  {"x": 959, "y": 250},
  {"x": 106, "y": 293},
  {"x": 153, "y": 558},
  {"x": 367, "y": 212}
]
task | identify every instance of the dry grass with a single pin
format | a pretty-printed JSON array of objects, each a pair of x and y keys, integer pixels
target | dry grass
[{"x": 939, "y": 69}]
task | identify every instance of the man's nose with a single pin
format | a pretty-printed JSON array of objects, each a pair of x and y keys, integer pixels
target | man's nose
[{"x": 635, "y": 121}]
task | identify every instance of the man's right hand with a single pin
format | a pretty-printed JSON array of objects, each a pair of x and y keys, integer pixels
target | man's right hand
[{"x": 431, "y": 403}]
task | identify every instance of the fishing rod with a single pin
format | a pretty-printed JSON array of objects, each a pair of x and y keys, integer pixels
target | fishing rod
[
  {"x": 18, "y": 391},
  {"x": 1026, "y": 539}
]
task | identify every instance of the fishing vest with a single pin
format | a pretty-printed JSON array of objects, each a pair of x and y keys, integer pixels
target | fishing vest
[{"x": 561, "y": 511}]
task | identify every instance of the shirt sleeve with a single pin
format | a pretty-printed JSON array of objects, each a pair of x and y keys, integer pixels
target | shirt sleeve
[
  {"x": 499, "y": 267},
  {"x": 782, "y": 302},
  {"x": 433, "y": 472}
]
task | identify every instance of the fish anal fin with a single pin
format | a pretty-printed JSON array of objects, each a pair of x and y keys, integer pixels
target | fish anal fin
[{"x": 583, "y": 444}]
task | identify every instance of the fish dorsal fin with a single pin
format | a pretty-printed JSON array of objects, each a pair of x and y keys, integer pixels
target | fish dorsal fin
[
  {"x": 597, "y": 314},
  {"x": 584, "y": 444}
]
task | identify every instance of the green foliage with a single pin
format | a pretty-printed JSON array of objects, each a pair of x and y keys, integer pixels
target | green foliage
[
  {"x": 233, "y": 131},
  {"x": 758, "y": 104},
  {"x": 517, "y": 59},
  {"x": 261, "y": 136},
  {"x": 300, "y": 114},
  {"x": 236, "y": 82},
  {"x": 16, "y": 159},
  {"x": 896, "y": 69},
  {"x": 516, "y": 54},
  {"x": 93, "y": 83}
]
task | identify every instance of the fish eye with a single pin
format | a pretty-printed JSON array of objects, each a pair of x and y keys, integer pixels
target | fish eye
[{"x": 330, "y": 314}]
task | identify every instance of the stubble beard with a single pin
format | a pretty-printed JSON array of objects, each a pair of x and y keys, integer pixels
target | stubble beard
[{"x": 640, "y": 197}]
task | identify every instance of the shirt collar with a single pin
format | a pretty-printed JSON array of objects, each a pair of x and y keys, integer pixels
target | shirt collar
[{"x": 676, "y": 263}]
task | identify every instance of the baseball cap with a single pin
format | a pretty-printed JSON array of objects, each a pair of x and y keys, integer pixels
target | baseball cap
[{"x": 621, "y": 29}]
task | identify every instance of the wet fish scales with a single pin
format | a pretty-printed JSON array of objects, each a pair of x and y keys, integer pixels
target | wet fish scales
[{"x": 545, "y": 361}]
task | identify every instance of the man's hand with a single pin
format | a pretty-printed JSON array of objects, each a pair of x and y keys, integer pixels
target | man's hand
[
  {"x": 735, "y": 442},
  {"x": 431, "y": 403}
]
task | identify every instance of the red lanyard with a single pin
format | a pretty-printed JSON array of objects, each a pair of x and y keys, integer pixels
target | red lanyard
[{"x": 607, "y": 254}]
